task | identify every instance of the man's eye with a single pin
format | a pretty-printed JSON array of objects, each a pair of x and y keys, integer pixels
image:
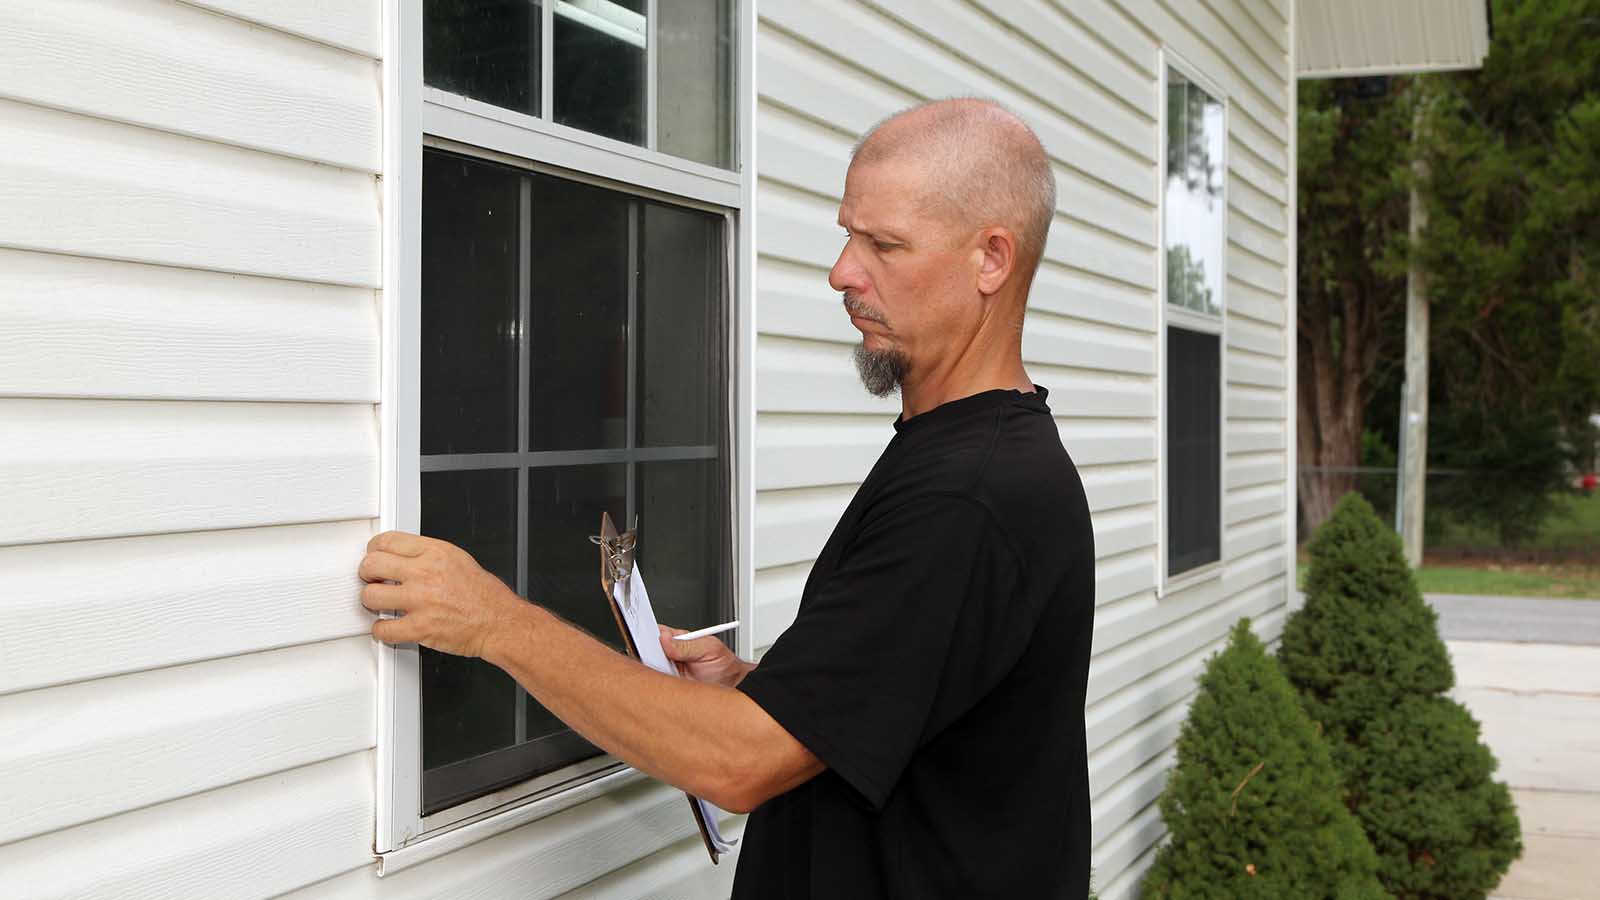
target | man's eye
[{"x": 882, "y": 246}]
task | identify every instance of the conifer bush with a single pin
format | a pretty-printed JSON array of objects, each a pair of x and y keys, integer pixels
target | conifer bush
[
  {"x": 1366, "y": 657},
  {"x": 1253, "y": 805}
]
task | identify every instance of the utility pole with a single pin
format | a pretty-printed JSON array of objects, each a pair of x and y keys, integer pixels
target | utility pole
[{"x": 1414, "y": 408}]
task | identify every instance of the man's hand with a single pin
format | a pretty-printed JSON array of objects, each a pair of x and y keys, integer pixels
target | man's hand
[
  {"x": 448, "y": 601},
  {"x": 704, "y": 659}
]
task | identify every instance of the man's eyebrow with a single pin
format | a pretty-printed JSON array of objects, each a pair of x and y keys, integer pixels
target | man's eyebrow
[{"x": 879, "y": 234}]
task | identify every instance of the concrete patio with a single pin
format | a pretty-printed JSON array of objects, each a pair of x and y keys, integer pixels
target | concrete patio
[{"x": 1538, "y": 701}]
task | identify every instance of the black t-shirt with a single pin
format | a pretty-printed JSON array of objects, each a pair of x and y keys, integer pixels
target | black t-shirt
[{"x": 937, "y": 667}]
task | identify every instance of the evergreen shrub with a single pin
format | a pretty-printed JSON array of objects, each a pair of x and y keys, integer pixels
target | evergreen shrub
[
  {"x": 1366, "y": 657},
  {"x": 1253, "y": 805}
]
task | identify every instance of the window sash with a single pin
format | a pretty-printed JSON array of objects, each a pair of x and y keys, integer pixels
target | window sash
[{"x": 416, "y": 116}]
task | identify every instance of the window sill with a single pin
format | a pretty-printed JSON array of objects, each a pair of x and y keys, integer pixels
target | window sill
[
  {"x": 454, "y": 839},
  {"x": 1193, "y": 578}
]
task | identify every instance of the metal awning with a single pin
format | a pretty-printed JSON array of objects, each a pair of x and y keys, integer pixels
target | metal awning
[{"x": 1353, "y": 38}]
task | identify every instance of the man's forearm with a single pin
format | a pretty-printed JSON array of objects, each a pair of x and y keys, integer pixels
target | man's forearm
[{"x": 707, "y": 739}]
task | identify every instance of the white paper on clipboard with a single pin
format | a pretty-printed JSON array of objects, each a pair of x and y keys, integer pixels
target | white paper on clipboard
[{"x": 640, "y": 618}]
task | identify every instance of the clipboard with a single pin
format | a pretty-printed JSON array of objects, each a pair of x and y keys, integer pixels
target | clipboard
[{"x": 616, "y": 564}]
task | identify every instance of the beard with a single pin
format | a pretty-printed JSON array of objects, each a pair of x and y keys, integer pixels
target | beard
[{"x": 881, "y": 371}]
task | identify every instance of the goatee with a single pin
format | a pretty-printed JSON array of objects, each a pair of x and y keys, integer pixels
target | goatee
[{"x": 881, "y": 371}]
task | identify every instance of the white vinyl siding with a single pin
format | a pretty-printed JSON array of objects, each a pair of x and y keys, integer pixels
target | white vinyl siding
[
  {"x": 189, "y": 265},
  {"x": 1086, "y": 76}
]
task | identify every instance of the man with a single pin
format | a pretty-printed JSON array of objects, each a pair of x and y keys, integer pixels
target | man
[{"x": 918, "y": 731}]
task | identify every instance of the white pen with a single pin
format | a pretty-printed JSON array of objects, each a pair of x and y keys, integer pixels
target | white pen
[{"x": 707, "y": 632}]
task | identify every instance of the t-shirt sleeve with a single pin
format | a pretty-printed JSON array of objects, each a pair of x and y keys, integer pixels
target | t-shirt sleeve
[{"x": 920, "y": 618}]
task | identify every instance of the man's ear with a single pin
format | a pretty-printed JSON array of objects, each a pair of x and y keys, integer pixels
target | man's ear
[{"x": 998, "y": 247}]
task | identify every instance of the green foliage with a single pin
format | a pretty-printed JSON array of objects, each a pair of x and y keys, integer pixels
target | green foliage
[
  {"x": 1514, "y": 468},
  {"x": 1366, "y": 656},
  {"x": 1253, "y": 805},
  {"x": 1512, "y": 247}
]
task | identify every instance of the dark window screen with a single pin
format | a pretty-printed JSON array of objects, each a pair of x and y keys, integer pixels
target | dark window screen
[
  {"x": 573, "y": 362},
  {"x": 1194, "y": 449}
]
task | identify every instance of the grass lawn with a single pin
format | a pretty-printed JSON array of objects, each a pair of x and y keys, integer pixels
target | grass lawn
[{"x": 1579, "y": 582}]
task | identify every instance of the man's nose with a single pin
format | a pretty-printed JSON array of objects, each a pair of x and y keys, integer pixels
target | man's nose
[{"x": 845, "y": 274}]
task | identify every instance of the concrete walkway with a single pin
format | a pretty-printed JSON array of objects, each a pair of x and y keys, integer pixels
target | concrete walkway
[{"x": 1529, "y": 670}]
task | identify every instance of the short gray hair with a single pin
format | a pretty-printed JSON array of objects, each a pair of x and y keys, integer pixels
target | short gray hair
[{"x": 989, "y": 166}]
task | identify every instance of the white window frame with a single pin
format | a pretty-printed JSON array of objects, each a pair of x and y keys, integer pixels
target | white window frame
[
  {"x": 418, "y": 116},
  {"x": 1169, "y": 315}
]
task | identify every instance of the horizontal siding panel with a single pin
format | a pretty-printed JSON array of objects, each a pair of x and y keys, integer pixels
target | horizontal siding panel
[
  {"x": 1254, "y": 303},
  {"x": 1128, "y": 798},
  {"x": 795, "y": 301},
  {"x": 248, "y": 841},
  {"x": 1253, "y": 503},
  {"x": 1245, "y": 368},
  {"x": 1263, "y": 146},
  {"x": 142, "y": 603},
  {"x": 791, "y": 526},
  {"x": 777, "y": 600},
  {"x": 1122, "y": 712},
  {"x": 814, "y": 376},
  {"x": 173, "y": 67},
  {"x": 79, "y": 327},
  {"x": 1252, "y": 436},
  {"x": 1245, "y": 164},
  {"x": 1121, "y": 531},
  {"x": 1001, "y": 53},
  {"x": 352, "y": 24},
  {"x": 1117, "y": 487},
  {"x": 1253, "y": 270},
  {"x": 1268, "y": 21},
  {"x": 1244, "y": 470},
  {"x": 856, "y": 33},
  {"x": 1262, "y": 339},
  {"x": 675, "y": 873},
  {"x": 806, "y": 450},
  {"x": 178, "y": 731},
  {"x": 832, "y": 92},
  {"x": 1121, "y": 33},
  {"x": 1090, "y": 393},
  {"x": 1124, "y": 576},
  {"x": 1118, "y": 851},
  {"x": 78, "y": 469},
  {"x": 1057, "y": 340},
  {"x": 82, "y": 186},
  {"x": 1259, "y": 535},
  {"x": 1271, "y": 247},
  {"x": 1256, "y": 403},
  {"x": 1065, "y": 292},
  {"x": 1267, "y": 213},
  {"x": 1101, "y": 443},
  {"x": 540, "y": 860},
  {"x": 1071, "y": 44}
]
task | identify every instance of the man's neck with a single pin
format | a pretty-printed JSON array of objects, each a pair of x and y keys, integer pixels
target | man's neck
[{"x": 921, "y": 394}]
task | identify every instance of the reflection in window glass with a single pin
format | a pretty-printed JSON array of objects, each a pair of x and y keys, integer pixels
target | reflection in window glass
[
  {"x": 1194, "y": 196},
  {"x": 681, "y": 255},
  {"x": 484, "y": 49},
  {"x": 694, "y": 99},
  {"x": 599, "y": 78}
]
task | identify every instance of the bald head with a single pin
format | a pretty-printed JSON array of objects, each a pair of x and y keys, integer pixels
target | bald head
[{"x": 983, "y": 167}]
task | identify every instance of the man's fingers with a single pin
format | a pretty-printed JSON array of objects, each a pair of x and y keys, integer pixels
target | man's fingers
[
  {"x": 395, "y": 631},
  {"x": 381, "y": 565},
  {"x": 378, "y": 597},
  {"x": 399, "y": 543}
]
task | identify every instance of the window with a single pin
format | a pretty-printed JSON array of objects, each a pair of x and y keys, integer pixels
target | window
[
  {"x": 654, "y": 74},
  {"x": 1193, "y": 223},
  {"x": 565, "y": 335}
]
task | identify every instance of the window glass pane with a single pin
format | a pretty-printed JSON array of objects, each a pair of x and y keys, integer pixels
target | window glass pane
[
  {"x": 564, "y": 507},
  {"x": 683, "y": 541},
  {"x": 484, "y": 49},
  {"x": 579, "y": 332},
  {"x": 468, "y": 705},
  {"x": 694, "y": 96},
  {"x": 1194, "y": 196},
  {"x": 469, "y": 306},
  {"x": 1194, "y": 449},
  {"x": 680, "y": 334},
  {"x": 599, "y": 67}
]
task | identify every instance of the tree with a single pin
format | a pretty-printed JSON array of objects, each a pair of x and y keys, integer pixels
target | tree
[
  {"x": 1253, "y": 804},
  {"x": 1365, "y": 654},
  {"x": 1354, "y": 158}
]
